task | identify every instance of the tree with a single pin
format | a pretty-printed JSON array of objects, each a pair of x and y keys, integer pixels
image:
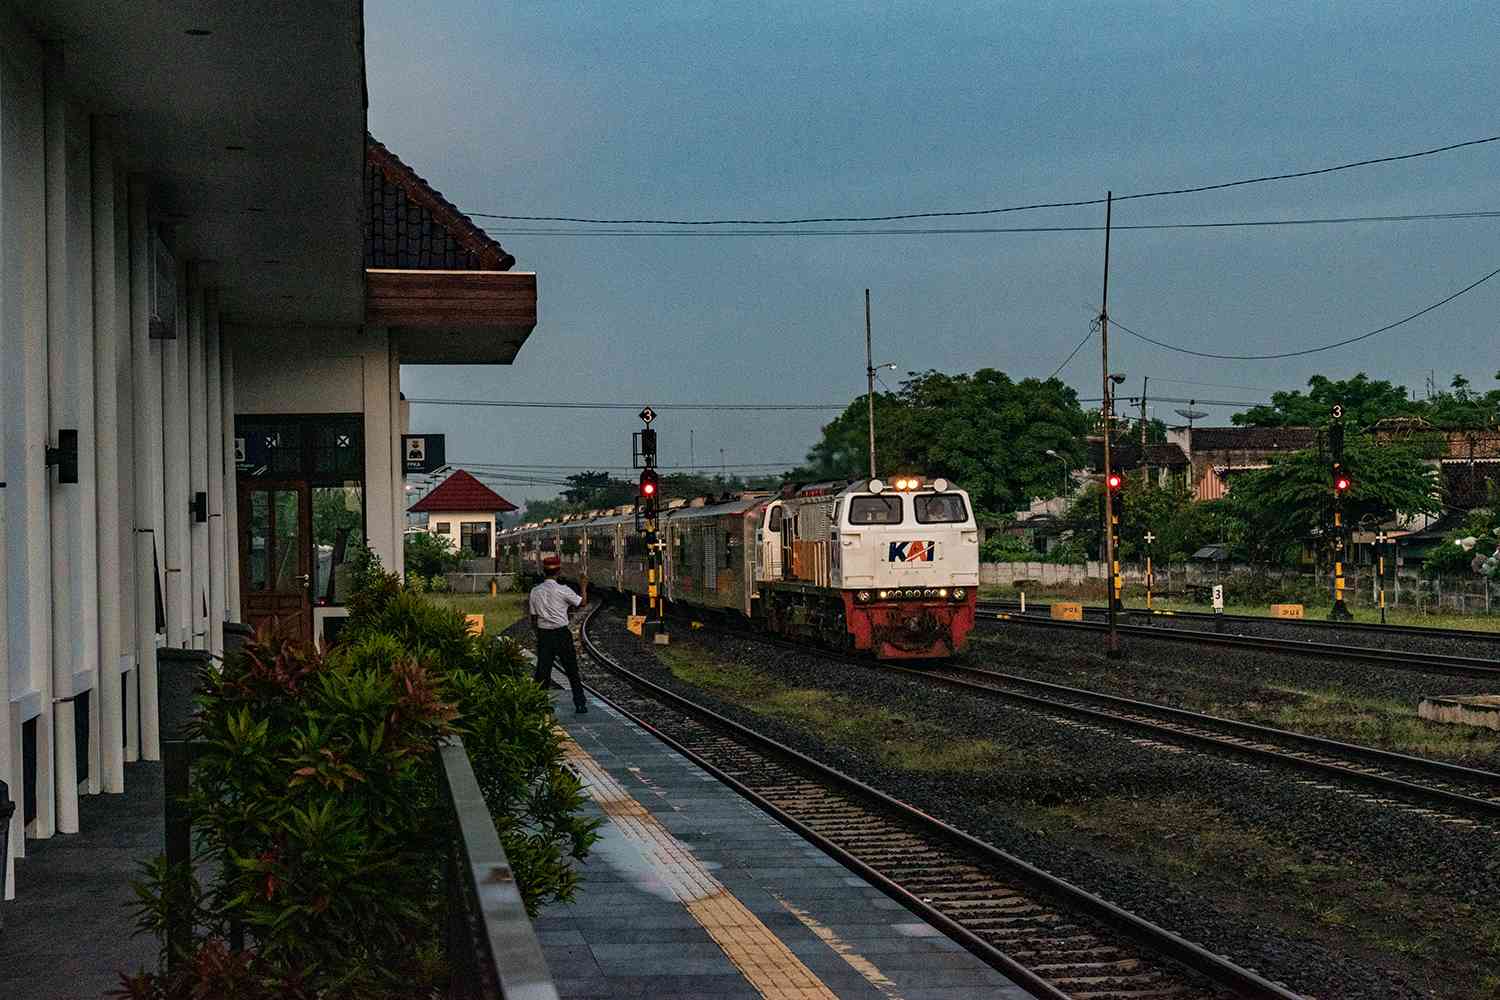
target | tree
[
  {"x": 1179, "y": 525},
  {"x": 595, "y": 490},
  {"x": 428, "y": 555},
  {"x": 1364, "y": 401},
  {"x": 983, "y": 431},
  {"x": 1282, "y": 506}
]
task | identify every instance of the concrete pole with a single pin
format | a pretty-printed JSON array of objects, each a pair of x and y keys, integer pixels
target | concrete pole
[
  {"x": 380, "y": 454},
  {"x": 215, "y": 472},
  {"x": 64, "y": 510},
  {"x": 126, "y": 580},
  {"x": 231, "y": 484},
  {"x": 107, "y": 771},
  {"x": 174, "y": 431},
  {"x": 197, "y": 376},
  {"x": 146, "y": 423}
]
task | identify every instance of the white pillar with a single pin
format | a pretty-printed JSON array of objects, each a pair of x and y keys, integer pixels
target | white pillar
[
  {"x": 107, "y": 771},
  {"x": 146, "y": 423},
  {"x": 215, "y": 470},
  {"x": 174, "y": 431},
  {"x": 231, "y": 484},
  {"x": 396, "y": 479},
  {"x": 197, "y": 427},
  {"x": 125, "y": 579},
  {"x": 64, "y": 502},
  {"x": 380, "y": 454}
]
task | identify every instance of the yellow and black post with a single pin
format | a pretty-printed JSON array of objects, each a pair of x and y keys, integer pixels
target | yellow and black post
[
  {"x": 1114, "y": 507},
  {"x": 1148, "y": 538},
  {"x": 1380, "y": 539}
]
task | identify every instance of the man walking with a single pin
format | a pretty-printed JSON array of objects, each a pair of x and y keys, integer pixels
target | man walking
[{"x": 549, "y": 604}]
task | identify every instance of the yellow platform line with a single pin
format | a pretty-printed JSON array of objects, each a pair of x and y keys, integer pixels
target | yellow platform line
[{"x": 765, "y": 962}]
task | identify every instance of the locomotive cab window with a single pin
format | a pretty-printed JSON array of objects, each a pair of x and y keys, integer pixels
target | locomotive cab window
[
  {"x": 875, "y": 510},
  {"x": 773, "y": 519},
  {"x": 940, "y": 508}
]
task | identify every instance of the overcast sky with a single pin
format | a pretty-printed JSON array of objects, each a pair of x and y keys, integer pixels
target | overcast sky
[{"x": 773, "y": 110}]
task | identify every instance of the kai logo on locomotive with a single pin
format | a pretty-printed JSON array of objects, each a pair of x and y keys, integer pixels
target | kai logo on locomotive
[{"x": 911, "y": 552}]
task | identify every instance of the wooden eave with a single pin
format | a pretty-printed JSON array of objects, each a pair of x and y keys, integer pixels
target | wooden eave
[{"x": 452, "y": 317}]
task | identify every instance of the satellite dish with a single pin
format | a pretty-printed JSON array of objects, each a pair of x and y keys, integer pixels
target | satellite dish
[{"x": 1191, "y": 415}]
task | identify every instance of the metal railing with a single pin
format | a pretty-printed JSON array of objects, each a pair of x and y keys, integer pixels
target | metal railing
[{"x": 493, "y": 951}]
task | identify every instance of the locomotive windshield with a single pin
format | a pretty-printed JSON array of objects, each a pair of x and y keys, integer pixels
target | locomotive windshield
[
  {"x": 875, "y": 510},
  {"x": 940, "y": 508}
]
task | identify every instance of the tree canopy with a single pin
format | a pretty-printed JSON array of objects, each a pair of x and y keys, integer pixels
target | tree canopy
[
  {"x": 1366, "y": 400},
  {"x": 982, "y": 430}
]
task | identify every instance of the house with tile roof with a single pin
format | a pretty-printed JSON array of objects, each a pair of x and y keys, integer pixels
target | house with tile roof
[{"x": 462, "y": 510}]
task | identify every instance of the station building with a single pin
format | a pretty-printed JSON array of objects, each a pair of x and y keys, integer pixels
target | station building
[
  {"x": 462, "y": 511},
  {"x": 209, "y": 278}
]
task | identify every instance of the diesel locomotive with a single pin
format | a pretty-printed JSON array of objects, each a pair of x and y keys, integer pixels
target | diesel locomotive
[{"x": 886, "y": 568}]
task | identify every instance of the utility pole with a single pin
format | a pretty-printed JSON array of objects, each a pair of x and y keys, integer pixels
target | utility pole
[
  {"x": 870, "y": 383},
  {"x": 1145, "y": 468},
  {"x": 1112, "y": 644}
]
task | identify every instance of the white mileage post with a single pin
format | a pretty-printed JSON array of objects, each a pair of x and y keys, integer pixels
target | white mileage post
[{"x": 1219, "y": 598}]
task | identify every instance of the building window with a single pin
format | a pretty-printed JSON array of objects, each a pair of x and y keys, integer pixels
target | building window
[
  {"x": 444, "y": 527},
  {"x": 474, "y": 538},
  {"x": 337, "y": 526}
]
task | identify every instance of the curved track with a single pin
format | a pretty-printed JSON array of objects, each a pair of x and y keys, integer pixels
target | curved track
[
  {"x": 1461, "y": 666},
  {"x": 1053, "y": 938}
]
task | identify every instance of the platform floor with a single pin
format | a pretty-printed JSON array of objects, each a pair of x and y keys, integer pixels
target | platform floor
[{"x": 694, "y": 892}]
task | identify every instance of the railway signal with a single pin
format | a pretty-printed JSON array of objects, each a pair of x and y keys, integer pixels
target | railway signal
[
  {"x": 1341, "y": 485},
  {"x": 647, "y": 508},
  {"x": 1380, "y": 539},
  {"x": 1148, "y": 538},
  {"x": 1114, "y": 507}
]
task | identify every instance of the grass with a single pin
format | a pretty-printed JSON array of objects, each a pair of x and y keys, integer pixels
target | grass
[
  {"x": 1135, "y": 599},
  {"x": 1370, "y": 720},
  {"x": 500, "y": 612},
  {"x": 895, "y": 739}
]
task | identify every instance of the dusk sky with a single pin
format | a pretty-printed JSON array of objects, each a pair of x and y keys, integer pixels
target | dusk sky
[{"x": 777, "y": 110}]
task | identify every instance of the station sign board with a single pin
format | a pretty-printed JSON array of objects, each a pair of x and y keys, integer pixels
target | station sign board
[{"x": 422, "y": 453}]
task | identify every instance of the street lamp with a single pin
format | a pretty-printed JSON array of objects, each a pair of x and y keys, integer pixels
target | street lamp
[{"x": 1067, "y": 479}]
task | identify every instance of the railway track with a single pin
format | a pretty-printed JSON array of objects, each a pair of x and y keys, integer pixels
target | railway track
[
  {"x": 1402, "y": 659},
  {"x": 1053, "y": 938},
  {"x": 1420, "y": 782},
  {"x": 1309, "y": 624}
]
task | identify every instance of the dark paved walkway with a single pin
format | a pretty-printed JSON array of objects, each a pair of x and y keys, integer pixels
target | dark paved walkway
[{"x": 69, "y": 931}]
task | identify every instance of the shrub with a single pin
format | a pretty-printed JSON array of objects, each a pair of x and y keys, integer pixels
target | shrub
[
  {"x": 1000, "y": 548},
  {"x": 428, "y": 554},
  {"x": 315, "y": 807}
]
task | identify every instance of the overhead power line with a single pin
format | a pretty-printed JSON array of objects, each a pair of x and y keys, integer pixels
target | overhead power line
[
  {"x": 1075, "y": 203},
  {"x": 1310, "y": 350},
  {"x": 555, "y": 405},
  {"x": 590, "y": 467},
  {"x": 1074, "y": 352},
  {"x": 980, "y": 230}
]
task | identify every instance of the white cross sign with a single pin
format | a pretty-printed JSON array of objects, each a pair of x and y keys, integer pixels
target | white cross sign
[
  {"x": 1149, "y": 538},
  {"x": 1381, "y": 537}
]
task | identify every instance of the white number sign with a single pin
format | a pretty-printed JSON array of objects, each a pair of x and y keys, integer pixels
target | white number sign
[{"x": 1218, "y": 597}]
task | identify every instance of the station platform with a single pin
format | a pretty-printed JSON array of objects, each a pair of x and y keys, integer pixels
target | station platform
[{"x": 694, "y": 892}]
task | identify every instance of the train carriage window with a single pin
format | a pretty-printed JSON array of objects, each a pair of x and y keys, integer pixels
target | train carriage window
[
  {"x": 549, "y": 544},
  {"x": 728, "y": 550},
  {"x": 773, "y": 520},
  {"x": 875, "y": 510},
  {"x": 939, "y": 508}
]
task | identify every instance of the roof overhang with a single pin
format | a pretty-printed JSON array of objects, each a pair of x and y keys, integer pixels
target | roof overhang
[
  {"x": 452, "y": 317},
  {"x": 248, "y": 121}
]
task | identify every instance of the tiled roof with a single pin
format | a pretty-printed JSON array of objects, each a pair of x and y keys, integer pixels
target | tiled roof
[
  {"x": 461, "y": 493},
  {"x": 1126, "y": 455},
  {"x": 410, "y": 225},
  {"x": 1253, "y": 438}
]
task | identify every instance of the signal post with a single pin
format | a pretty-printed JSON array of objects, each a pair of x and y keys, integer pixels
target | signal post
[
  {"x": 1341, "y": 485},
  {"x": 647, "y": 510}
]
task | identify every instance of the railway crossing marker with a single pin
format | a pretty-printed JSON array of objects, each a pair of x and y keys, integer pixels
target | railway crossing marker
[
  {"x": 1148, "y": 538},
  {"x": 1380, "y": 539}
]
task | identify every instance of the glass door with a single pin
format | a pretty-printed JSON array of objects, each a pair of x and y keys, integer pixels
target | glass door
[{"x": 275, "y": 556}]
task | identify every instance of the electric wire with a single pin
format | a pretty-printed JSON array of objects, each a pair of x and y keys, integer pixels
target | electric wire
[
  {"x": 575, "y": 405},
  {"x": 509, "y": 231},
  {"x": 1310, "y": 350},
  {"x": 1075, "y": 203},
  {"x": 1074, "y": 352}
]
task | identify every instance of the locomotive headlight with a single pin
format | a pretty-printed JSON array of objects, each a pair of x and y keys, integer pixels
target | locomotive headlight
[
  {"x": 958, "y": 593},
  {"x": 875, "y": 486},
  {"x": 942, "y": 591},
  {"x": 884, "y": 594},
  {"x": 940, "y": 484}
]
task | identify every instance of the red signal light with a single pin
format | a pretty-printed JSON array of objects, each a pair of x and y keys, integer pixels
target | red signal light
[
  {"x": 1341, "y": 483},
  {"x": 1114, "y": 480},
  {"x": 648, "y": 488},
  {"x": 649, "y": 484}
]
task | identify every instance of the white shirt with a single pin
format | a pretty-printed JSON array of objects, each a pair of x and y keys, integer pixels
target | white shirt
[{"x": 550, "y": 602}]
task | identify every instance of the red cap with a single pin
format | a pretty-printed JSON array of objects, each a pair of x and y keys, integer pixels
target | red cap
[{"x": 551, "y": 562}]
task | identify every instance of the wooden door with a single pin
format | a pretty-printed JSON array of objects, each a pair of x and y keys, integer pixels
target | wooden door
[{"x": 276, "y": 555}]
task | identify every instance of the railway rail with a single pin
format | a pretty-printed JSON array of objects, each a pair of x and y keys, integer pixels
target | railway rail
[
  {"x": 1308, "y": 624},
  {"x": 1403, "y": 659},
  {"x": 1053, "y": 938}
]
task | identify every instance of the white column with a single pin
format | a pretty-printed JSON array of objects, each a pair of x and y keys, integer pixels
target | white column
[
  {"x": 125, "y": 579},
  {"x": 174, "y": 431},
  {"x": 146, "y": 423},
  {"x": 107, "y": 771},
  {"x": 215, "y": 470},
  {"x": 380, "y": 502},
  {"x": 64, "y": 502},
  {"x": 397, "y": 477},
  {"x": 197, "y": 427},
  {"x": 231, "y": 484}
]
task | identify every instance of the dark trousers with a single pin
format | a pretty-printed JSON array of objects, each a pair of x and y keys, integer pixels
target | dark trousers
[{"x": 556, "y": 644}]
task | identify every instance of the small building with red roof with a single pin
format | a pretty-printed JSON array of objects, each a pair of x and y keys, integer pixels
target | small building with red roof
[{"x": 462, "y": 510}]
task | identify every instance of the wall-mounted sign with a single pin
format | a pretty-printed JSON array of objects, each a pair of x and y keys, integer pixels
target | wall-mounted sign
[{"x": 423, "y": 452}]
